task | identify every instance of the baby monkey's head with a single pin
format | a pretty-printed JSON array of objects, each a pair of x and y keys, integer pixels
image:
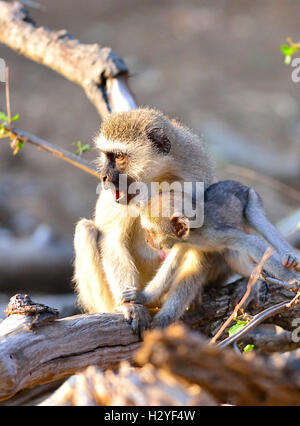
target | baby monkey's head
[{"x": 164, "y": 222}]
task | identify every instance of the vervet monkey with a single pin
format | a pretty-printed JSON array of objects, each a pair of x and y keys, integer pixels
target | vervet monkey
[
  {"x": 110, "y": 250},
  {"x": 194, "y": 255}
]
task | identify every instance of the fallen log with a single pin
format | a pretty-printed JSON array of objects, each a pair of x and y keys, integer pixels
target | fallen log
[
  {"x": 128, "y": 386},
  {"x": 33, "y": 396},
  {"x": 229, "y": 377},
  {"x": 67, "y": 345},
  {"x": 60, "y": 349}
]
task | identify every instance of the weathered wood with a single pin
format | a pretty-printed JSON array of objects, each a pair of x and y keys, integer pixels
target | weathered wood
[
  {"x": 66, "y": 303},
  {"x": 128, "y": 386},
  {"x": 270, "y": 343},
  {"x": 229, "y": 377},
  {"x": 60, "y": 349},
  {"x": 32, "y": 396},
  {"x": 88, "y": 65}
]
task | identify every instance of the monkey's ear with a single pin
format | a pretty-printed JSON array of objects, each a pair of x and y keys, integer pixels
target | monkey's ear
[
  {"x": 181, "y": 226},
  {"x": 159, "y": 140}
]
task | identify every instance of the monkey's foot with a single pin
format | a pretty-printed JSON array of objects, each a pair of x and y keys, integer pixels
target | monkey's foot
[
  {"x": 137, "y": 315},
  {"x": 291, "y": 260},
  {"x": 133, "y": 295},
  {"x": 258, "y": 295},
  {"x": 161, "y": 321}
]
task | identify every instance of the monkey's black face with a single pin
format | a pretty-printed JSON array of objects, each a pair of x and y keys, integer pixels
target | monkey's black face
[{"x": 114, "y": 165}]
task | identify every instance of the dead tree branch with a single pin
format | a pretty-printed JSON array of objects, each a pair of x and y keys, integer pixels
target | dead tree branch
[
  {"x": 272, "y": 343},
  {"x": 60, "y": 349},
  {"x": 229, "y": 377},
  {"x": 98, "y": 70},
  {"x": 128, "y": 386}
]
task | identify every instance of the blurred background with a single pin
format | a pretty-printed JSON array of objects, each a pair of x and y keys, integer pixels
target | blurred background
[{"x": 216, "y": 65}]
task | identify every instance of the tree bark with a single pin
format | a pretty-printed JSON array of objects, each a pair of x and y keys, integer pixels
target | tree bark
[
  {"x": 128, "y": 386},
  {"x": 60, "y": 349},
  {"x": 228, "y": 377}
]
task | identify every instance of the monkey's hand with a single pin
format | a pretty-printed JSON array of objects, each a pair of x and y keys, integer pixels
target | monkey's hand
[
  {"x": 291, "y": 260},
  {"x": 137, "y": 315},
  {"x": 133, "y": 295}
]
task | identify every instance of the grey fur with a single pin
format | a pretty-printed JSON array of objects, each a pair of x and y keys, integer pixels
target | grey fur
[{"x": 231, "y": 212}]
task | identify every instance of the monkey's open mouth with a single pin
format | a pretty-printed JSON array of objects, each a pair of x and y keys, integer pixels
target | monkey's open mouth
[{"x": 119, "y": 195}]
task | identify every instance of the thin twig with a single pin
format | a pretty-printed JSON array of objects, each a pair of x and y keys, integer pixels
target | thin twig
[
  {"x": 7, "y": 96},
  {"x": 54, "y": 150},
  {"x": 258, "y": 319},
  {"x": 255, "y": 321},
  {"x": 252, "y": 280}
]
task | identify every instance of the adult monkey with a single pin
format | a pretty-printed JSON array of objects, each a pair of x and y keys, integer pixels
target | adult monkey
[{"x": 110, "y": 251}]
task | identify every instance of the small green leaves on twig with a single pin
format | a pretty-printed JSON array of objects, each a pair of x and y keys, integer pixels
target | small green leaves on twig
[
  {"x": 237, "y": 327},
  {"x": 81, "y": 149},
  {"x": 16, "y": 144},
  {"x": 4, "y": 119},
  {"x": 241, "y": 323},
  {"x": 289, "y": 50},
  {"x": 5, "y": 132}
]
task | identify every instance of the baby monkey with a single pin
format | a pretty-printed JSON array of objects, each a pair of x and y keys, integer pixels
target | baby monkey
[{"x": 209, "y": 255}]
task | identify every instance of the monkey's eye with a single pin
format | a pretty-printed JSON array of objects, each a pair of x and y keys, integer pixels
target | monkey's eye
[{"x": 119, "y": 156}]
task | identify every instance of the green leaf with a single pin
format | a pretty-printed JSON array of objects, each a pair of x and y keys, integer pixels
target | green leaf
[
  {"x": 2, "y": 130},
  {"x": 248, "y": 348},
  {"x": 86, "y": 148},
  {"x": 3, "y": 117},
  {"x": 16, "y": 117},
  {"x": 288, "y": 51},
  {"x": 19, "y": 145},
  {"x": 237, "y": 327},
  {"x": 81, "y": 148},
  {"x": 285, "y": 49}
]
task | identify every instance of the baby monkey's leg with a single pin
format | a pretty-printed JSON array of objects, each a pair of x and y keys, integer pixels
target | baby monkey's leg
[
  {"x": 186, "y": 284},
  {"x": 256, "y": 247},
  {"x": 256, "y": 216}
]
